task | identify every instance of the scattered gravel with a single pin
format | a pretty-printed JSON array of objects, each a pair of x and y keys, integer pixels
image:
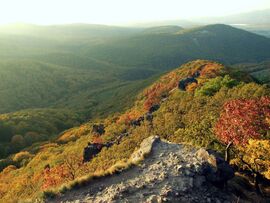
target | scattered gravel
[{"x": 169, "y": 173}]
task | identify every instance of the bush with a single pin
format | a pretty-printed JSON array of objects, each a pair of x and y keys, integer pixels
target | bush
[
  {"x": 215, "y": 84},
  {"x": 22, "y": 158},
  {"x": 256, "y": 157}
]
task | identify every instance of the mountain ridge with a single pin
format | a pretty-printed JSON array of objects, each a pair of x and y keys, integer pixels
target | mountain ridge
[{"x": 164, "y": 109}]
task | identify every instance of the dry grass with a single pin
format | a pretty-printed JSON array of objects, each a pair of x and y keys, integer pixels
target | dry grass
[{"x": 86, "y": 180}]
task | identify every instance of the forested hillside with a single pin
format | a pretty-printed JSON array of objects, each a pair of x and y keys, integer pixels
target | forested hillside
[
  {"x": 96, "y": 70},
  {"x": 260, "y": 71},
  {"x": 216, "y": 42},
  {"x": 55, "y": 63},
  {"x": 45, "y": 91},
  {"x": 198, "y": 112}
]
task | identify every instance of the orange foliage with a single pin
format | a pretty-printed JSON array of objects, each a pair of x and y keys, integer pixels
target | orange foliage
[
  {"x": 55, "y": 176},
  {"x": 62, "y": 173},
  {"x": 128, "y": 116},
  {"x": 191, "y": 87},
  {"x": 211, "y": 70},
  {"x": 9, "y": 169},
  {"x": 154, "y": 94},
  {"x": 97, "y": 140}
]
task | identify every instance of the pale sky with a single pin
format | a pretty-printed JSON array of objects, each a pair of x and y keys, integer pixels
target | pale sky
[{"x": 119, "y": 11}]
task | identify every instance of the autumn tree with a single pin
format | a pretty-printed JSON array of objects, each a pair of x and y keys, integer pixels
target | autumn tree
[
  {"x": 73, "y": 163},
  {"x": 66, "y": 171},
  {"x": 22, "y": 158},
  {"x": 18, "y": 141},
  {"x": 255, "y": 157},
  {"x": 55, "y": 176},
  {"x": 241, "y": 120}
]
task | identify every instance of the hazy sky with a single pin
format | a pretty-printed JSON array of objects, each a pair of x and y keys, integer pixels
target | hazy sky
[{"x": 119, "y": 11}]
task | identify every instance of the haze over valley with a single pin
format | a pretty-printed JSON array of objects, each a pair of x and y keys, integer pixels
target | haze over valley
[{"x": 116, "y": 78}]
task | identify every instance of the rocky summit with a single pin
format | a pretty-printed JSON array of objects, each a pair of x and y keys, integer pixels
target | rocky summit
[{"x": 166, "y": 172}]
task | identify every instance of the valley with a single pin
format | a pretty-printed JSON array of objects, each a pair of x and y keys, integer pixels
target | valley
[
  {"x": 55, "y": 167},
  {"x": 58, "y": 81}
]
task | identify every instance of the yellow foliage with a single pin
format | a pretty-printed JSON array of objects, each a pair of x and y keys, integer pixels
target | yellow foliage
[
  {"x": 21, "y": 156},
  {"x": 9, "y": 169},
  {"x": 257, "y": 154},
  {"x": 181, "y": 118}
]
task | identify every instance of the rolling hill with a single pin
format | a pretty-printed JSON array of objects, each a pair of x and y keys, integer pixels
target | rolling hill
[
  {"x": 259, "y": 17},
  {"x": 96, "y": 70},
  {"x": 255, "y": 21},
  {"x": 216, "y": 42},
  {"x": 189, "y": 116},
  {"x": 260, "y": 71},
  {"x": 162, "y": 30}
]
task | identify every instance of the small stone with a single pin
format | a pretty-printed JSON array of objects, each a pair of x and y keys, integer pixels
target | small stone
[
  {"x": 164, "y": 199},
  {"x": 188, "y": 173},
  {"x": 199, "y": 180},
  {"x": 163, "y": 175},
  {"x": 218, "y": 201},
  {"x": 166, "y": 191},
  {"x": 205, "y": 156},
  {"x": 179, "y": 168},
  {"x": 144, "y": 194},
  {"x": 154, "y": 199},
  {"x": 191, "y": 182}
]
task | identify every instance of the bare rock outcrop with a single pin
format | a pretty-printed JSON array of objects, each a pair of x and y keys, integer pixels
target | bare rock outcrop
[{"x": 165, "y": 172}]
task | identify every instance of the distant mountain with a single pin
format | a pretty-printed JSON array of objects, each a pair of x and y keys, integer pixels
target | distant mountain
[
  {"x": 255, "y": 21},
  {"x": 260, "y": 17},
  {"x": 68, "y": 31},
  {"x": 162, "y": 30},
  {"x": 177, "y": 22},
  {"x": 88, "y": 63},
  {"x": 216, "y": 42},
  {"x": 94, "y": 70}
]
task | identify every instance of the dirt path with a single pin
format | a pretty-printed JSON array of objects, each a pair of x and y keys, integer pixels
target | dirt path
[{"x": 170, "y": 173}]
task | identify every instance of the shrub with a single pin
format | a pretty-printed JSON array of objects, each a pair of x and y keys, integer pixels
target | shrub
[
  {"x": 9, "y": 169},
  {"x": 255, "y": 156},
  {"x": 21, "y": 155},
  {"x": 243, "y": 119},
  {"x": 215, "y": 84}
]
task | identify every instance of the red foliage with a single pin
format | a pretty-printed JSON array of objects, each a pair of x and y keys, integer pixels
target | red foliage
[
  {"x": 62, "y": 173},
  {"x": 155, "y": 92},
  {"x": 170, "y": 81},
  {"x": 55, "y": 176},
  {"x": 243, "y": 119}
]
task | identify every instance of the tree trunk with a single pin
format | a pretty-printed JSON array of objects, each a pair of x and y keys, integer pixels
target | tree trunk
[
  {"x": 258, "y": 178},
  {"x": 227, "y": 152}
]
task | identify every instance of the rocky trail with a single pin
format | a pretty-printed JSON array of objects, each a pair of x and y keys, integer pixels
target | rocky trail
[{"x": 169, "y": 173}]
